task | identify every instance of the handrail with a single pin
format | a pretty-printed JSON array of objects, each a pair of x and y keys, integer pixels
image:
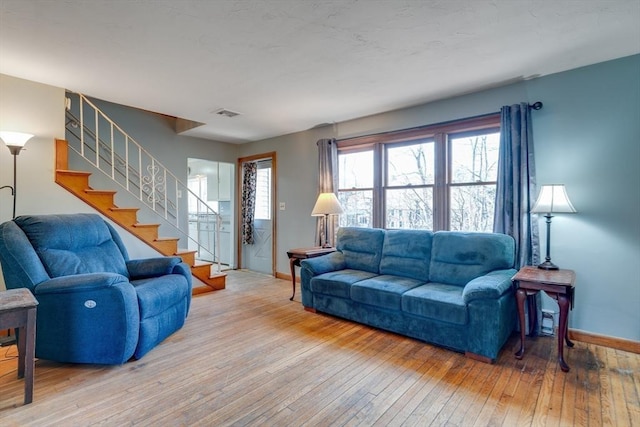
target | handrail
[{"x": 158, "y": 188}]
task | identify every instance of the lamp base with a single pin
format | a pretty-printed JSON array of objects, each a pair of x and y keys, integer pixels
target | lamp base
[{"x": 548, "y": 265}]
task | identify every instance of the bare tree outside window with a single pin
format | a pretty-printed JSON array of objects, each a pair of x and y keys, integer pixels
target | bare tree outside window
[
  {"x": 355, "y": 188},
  {"x": 474, "y": 169},
  {"x": 409, "y": 186},
  {"x": 436, "y": 177}
]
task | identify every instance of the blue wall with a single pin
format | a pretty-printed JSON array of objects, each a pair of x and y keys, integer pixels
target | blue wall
[{"x": 587, "y": 136}]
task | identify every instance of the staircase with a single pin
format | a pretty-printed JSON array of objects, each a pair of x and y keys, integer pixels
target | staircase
[{"x": 77, "y": 182}]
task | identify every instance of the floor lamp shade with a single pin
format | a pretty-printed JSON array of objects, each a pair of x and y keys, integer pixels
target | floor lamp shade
[
  {"x": 552, "y": 199},
  {"x": 14, "y": 141},
  {"x": 327, "y": 204}
]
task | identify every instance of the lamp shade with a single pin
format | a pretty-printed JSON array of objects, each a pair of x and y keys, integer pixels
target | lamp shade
[
  {"x": 15, "y": 139},
  {"x": 553, "y": 198},
  {"x": 327, "y": 204}
]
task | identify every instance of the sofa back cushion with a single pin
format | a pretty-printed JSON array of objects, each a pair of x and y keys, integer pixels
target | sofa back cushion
[
  {"x": 458, "y": 257},
  {"x": 361, "y": 247},
  {"x": 73, "y": 244},
  {"x": 407, "y": 253}
]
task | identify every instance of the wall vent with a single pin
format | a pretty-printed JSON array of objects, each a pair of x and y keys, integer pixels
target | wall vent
[{"x": 226, "y": 113}]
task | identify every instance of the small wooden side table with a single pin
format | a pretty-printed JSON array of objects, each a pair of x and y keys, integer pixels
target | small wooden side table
[
  {"x": 18, "y": 310},
  {"x": 559, "y": 285},
  {"x": 296, "y": 255}
]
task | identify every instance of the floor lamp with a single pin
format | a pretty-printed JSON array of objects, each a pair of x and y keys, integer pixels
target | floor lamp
[
  {"x": 15, "y": 141},
  {"x": 552, "y": 199},
  {"x": 327, "y": 204}
]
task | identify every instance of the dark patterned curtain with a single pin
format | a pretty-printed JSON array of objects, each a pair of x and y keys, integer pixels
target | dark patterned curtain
[
  {"x": 516, "y": 188},
  {"x": 327, "y": 183},
  {"x": 249, "y": 176}
]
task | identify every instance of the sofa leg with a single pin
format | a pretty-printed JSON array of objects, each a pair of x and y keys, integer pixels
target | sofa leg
[
  {"x": 474, "y": 356},
  {"x": 310, "y": 309}
]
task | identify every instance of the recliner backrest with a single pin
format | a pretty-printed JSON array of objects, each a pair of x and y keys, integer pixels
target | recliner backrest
[{"x": 70, "y": 244}]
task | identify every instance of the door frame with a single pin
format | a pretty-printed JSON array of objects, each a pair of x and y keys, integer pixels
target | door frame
[{"x": 274, "y": 191}]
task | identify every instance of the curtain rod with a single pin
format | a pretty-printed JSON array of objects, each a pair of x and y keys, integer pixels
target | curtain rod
[{"x": 536, "y": 105}]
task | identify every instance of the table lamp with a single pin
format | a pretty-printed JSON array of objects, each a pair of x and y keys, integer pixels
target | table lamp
[
  {"x": 327, "y": 204},
  {"x": 552, "y": 199}
]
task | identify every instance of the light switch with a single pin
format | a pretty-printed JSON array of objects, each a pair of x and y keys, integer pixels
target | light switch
[{"x": 282, "y": 206}]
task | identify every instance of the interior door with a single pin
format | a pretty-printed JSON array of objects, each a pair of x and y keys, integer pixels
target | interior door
[{"x": 259, "y": 256}]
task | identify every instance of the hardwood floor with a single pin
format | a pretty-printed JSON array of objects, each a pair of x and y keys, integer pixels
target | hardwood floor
[{"x": 249, "y": 356}]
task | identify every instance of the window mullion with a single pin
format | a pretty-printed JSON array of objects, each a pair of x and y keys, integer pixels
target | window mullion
[
  {"x": 379, "y": 183},
  {"x": 441, "y": 189}
]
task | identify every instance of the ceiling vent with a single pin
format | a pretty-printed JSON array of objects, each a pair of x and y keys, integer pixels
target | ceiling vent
[{"x": 226, "y": 113}]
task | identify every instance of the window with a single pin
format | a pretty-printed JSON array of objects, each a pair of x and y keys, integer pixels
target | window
[
  {"x": 356, "y": 188},
  {"x": 263, "y": 191},
  {"x": 474, "y": 172},
  {"x": 440, "y": 177}
]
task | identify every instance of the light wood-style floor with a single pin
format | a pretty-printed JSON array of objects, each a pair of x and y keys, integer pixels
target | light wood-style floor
[{"x": 249, "y": 356}]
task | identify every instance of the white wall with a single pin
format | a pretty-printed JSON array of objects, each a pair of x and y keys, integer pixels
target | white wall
[{"x": 38, "y": 109}]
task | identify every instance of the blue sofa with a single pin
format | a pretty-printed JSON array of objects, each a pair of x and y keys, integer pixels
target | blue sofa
[
  {"x": 95, "y": 304},
  {"x": 448, "y": 288}
]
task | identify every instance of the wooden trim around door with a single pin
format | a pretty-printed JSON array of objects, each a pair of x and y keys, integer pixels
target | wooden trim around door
[{"x": 274, "y": 197}]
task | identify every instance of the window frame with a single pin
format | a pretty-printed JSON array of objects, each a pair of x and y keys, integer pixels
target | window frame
[{"x": 441, "y": 134}]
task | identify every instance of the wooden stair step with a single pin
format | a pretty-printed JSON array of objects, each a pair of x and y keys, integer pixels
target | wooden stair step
[
  {"x": 188, "y": 257},
  {"x": 167, "y": 246},
  {"x": 124, "y": 215},
  {"x": 102, "y": 199},
  {"x": 147, "y": 231},
  {"x": 213, "y": 282}
]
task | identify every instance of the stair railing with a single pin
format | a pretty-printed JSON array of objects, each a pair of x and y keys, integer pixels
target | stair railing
[{"x": 118, "y": 156}]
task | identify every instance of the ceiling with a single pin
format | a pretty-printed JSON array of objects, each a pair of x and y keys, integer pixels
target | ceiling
[{"x": 290, "y": 65}]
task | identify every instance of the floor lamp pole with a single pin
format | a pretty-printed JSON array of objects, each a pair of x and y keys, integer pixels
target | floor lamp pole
[{"x": 15, "y": 192}]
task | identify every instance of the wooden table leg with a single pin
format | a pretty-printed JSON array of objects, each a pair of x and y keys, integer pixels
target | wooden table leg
[
  {"x": 521, "y": 296},
  {"x": 563, "y": 302},
  {"x": 292, "y": 265}
]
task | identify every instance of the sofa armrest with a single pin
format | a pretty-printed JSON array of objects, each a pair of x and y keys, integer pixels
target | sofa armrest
[
  {"x": 323, "y": 264},
  {"x": 492, "y": 285},
  {"x": 152, "y": 267},
  {"x": 79, "y": 283}
]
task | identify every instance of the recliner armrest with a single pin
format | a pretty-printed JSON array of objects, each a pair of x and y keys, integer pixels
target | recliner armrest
[
  {"x": 323, "y": 264},
  {"x": 79, "y": 283},
  {"x": 491, "y": 285},
  {"x": 152, "y": 267}
]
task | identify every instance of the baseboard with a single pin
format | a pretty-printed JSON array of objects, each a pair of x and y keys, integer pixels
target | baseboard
[
  {"x": 286, "y": 277},
  {"x": 604, "y": 340}
]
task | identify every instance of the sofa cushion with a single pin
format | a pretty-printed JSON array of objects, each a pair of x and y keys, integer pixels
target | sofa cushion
[
  {"x": 64, "y": 251},
  {"x": 338, "y": 283},
  {"x": 439, "y": 301},
  {"x": 407, "y": 253},
  {"x": 361, "y": 247},
  {"x": 383, "y": 291},
  {"x": 459, "y": 257}
]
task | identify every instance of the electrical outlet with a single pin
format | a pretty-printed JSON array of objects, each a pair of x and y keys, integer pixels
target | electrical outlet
[{"x": 548, "y": 323}]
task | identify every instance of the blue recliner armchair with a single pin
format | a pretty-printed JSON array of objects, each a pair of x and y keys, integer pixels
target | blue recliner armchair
[{"x": 95, "y": 304}]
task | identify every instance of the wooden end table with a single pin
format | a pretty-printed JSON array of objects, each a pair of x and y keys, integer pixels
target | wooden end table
[
  {"x": 18, "y": 310},
  {"x": 296, "y": 255},
  {"x": 559, "y": 285}
]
